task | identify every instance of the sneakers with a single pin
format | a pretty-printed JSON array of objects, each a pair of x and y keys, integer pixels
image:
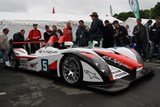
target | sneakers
[
  {"x": 7, "y": 63},
  {"x": 147, "y": 60},
  {"x": 158, "y": 61}
]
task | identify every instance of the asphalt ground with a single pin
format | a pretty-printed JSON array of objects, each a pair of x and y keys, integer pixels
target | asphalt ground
[{"x": 24, "y": 89}]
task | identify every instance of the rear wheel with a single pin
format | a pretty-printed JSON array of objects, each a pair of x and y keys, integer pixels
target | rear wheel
[{"x": 71, "y": 70}]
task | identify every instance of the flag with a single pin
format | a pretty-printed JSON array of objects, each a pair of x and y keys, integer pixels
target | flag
[
  {"x": 53, "y": 11},
  {"x": 111, "y": 11},
  {"x": 134, "y": 4}
]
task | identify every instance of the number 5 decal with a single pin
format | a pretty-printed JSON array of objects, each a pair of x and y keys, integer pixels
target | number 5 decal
[{"x": 44, "y": 64}]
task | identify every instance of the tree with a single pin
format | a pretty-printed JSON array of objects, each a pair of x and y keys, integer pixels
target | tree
[
  {"x": 156, "y": 10},
  {"x": 147, "y": 14},
  {"x": 124, "y": 15}
]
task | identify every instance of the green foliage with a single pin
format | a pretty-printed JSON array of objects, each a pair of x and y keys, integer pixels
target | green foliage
[
  {"x": 156, "y": 10},
  {"x": 147, "y": 14},
  {"x": 124, "y": 15}
]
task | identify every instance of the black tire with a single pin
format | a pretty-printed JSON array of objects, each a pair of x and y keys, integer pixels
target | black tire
[
  {"x": 71, "y": 70},
  {"x": 12, "y": 59}
]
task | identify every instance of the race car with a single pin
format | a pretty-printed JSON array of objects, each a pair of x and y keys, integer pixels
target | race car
[{"x": 111, "y": 70}]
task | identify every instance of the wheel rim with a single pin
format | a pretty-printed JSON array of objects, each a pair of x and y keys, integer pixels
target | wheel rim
[
  {"x": 71, "y": 70},
  {"x": 12, "y": 61}
]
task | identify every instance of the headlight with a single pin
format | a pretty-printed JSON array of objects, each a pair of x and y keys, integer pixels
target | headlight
[
  {"x": 101, "y": 64},
  {"x": 98, "y": 61},
  {"x": 138, "y": 56}
]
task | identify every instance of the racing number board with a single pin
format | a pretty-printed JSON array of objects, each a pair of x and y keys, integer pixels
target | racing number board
[{"x": 44, "y": 64}]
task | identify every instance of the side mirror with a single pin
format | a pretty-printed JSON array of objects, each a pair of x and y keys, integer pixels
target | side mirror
[{"x": 69, "y": 44}]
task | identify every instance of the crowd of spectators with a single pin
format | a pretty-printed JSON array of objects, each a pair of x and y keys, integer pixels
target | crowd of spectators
[{"x": 145, "y": 39}]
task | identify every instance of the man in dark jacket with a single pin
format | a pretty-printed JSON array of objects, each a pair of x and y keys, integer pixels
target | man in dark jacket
[
  {"x": 140, "y": 33},
  {"x": 154, "y": 36},
  {"x": 148, "y": 46},
  {"x": 108, "y": 37},
  {"x": 82, "y": 35},
  {"x": 121, "y": 35},
  {"x": 18, "y": 37},
  {"x": 47, "y": 34},
  {"x": 96, "y": 29}
]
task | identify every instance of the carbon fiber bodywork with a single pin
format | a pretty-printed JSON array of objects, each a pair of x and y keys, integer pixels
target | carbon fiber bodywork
[{"x": 120, "y": 84}]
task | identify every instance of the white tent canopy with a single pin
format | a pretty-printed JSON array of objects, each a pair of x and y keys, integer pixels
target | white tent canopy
[
  {"x": 50, "y": 17},
  {"x": 17, "y": 21}
]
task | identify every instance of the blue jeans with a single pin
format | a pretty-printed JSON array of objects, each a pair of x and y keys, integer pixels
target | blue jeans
[
  {"x": 4, "y": 54},
  {"x": 152, "y": 48}
]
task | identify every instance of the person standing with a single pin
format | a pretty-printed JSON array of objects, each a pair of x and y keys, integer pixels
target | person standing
[
  {"x": 108, "y": 38},
  {"x": 148, "y": 28},
  {"x": 4, "y": 46},
  {"x": 82, "y": 35},
  {"x": 34, "y": 35},
  {"x": 148, "y": 24},
  {"x": 140, "y": 33},
  {"x": 148, "y": 45},
  {"x": 154, "y": 36},
  {"x": 67, "y": 32},
  {"x": 18, "y": 37},
  {"x": 56, "y": 32},
  {"x": 130, "y": 35},
  {"x": 47, "y": 34},
  {"x": 121, "y": 35},
  {"x": 96, "y": 29}
]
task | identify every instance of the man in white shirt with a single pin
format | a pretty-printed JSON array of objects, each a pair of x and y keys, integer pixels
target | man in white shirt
[{"x": 4, "y": 45}]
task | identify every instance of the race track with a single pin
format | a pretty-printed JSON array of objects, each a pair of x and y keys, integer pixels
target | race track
[{"x": 21, "y": 89}]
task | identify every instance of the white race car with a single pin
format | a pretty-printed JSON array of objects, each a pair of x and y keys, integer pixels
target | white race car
[{"x": 111, "y": 69}]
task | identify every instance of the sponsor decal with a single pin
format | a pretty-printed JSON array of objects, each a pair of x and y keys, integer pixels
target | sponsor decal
[
  {"x": 24, "y": 63},
  {"x": 46, "y": 51},
  {"x": 121, "y": 60},
  {"x": 114, "y": 61},
  {"x": 33, "y": 65},
  {"x": 118, "y": 73},
  {"x": 91, "y": 75},
  {"x": 40, "y": 51}
]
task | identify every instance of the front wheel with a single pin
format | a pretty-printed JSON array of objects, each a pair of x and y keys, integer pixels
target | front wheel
[
  {"x": 71, "y": 70},
  {"x": 12, "y": 60}
]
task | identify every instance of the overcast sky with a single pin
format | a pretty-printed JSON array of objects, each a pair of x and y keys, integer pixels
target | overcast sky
[{"x": 82, "y": 7}]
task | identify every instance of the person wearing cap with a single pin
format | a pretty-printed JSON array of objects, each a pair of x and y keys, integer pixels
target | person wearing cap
[
  {"x": 121, "y": 35},
  {"x": 4, "y": 46},
  {"x": 56, "y": 32},
  {"x": 67, "y": 32},
  {"x": 108, "y": 38},
  {"x": 140, "y": 34},
  {"x": 82, "y": 35},
  {"x": 34, "y": 35},
  {"x": 47, "y": 33},
  {"x": 154, "y": 36},
  {"x": 96, "y": 29}
]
